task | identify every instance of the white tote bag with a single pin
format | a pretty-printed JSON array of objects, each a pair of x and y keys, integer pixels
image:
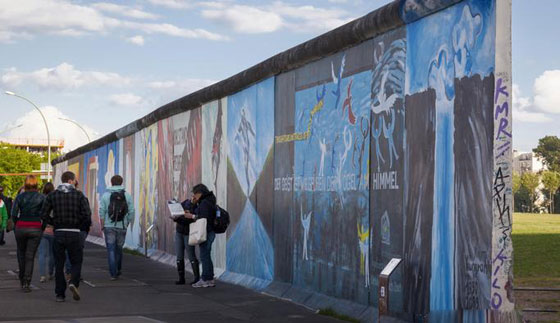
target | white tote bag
[{"x": 197, "y": 232}]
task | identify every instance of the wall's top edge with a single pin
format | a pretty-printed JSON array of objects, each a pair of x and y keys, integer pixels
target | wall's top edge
[
  {"x": 412, "y": 10},
  {"x": 377, "y": 22}
]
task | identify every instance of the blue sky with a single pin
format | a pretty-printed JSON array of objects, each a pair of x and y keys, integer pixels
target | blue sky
[{"x": 105, "y": 64}]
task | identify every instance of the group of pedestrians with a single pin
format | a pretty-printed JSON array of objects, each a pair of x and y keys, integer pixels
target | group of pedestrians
[{"x": 57, "y": 220}]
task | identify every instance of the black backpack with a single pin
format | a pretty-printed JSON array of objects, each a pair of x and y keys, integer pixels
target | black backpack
[
  {"x": 221, "y": 221},
  {"x": 118, "y": 208}
]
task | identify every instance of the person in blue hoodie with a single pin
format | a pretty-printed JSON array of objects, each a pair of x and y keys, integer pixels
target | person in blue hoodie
[{"x": 116, "y": 211}]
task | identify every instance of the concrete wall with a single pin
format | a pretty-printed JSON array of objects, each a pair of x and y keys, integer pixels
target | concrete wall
[{"x": 398, "y": 146}]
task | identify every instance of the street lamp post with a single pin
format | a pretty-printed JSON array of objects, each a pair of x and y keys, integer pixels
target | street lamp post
[
  {"x": 10, "y": 129},
  {"x": 46, "y": 126},
  {"x": 79, "y": 126}
]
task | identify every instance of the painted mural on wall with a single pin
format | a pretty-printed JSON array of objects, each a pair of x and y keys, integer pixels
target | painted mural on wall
[
  {"x": 331, "y": 182},
  {"x": 146, "y": 170},
  {"x": 250, "y": 254},
  {"x": 100, "y": 165},
  {"x": 214, "y": 167},
  {"x": 388, "y": 140},
  {"x": 396, "y": 147},
  {"x": 455, "y": 63}
]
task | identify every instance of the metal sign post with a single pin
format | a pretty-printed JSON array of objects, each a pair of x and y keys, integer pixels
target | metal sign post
[{"x": 384, "y": 276}]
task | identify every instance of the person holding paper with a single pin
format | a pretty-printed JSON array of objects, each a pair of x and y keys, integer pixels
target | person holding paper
[
  {"x": 182, "y": 244},
  {"x": 204, "y": 207}
]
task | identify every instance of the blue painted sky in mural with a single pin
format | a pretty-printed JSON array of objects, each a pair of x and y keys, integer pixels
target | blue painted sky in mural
[
  {"x": 250, "y": 131},
  {"x": 249, "y": 249},
  {"x": 466, "y": 44},
  {"x": 103, "y": 164},
  {"x": 328, "y": 126}
]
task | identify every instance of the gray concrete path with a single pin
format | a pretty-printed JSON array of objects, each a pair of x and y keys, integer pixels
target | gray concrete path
[{"x": 145, "y": 293}]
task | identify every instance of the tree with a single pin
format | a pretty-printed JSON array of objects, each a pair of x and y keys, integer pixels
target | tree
[
  {"x": 551, "y": 182},
  {"x": 14, "y": 160},
  {"x": 549, "y": 150},
  {"x": 530, "y": 181},
  {"x": 516, "y": 183}
]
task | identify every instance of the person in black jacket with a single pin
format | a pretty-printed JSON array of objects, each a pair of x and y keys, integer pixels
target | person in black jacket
[
  {"x": 204, "y": 207},
  {"x": 8, "y": 202},
  {"x": 70, "y": 212},
  {"x": 182, "y": 243},
  {"x": 26, "y": 214}
]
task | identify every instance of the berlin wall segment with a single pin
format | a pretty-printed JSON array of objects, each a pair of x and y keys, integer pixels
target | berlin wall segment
[{"x": 396, "y": 147}]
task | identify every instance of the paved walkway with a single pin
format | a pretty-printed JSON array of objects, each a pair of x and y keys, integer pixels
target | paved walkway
[{"x": 145, "y": 293}]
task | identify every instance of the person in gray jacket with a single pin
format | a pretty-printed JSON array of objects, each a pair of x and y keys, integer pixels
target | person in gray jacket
[{"x": 116, "y": 211}]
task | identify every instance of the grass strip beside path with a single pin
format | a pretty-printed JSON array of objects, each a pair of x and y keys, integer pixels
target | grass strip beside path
[{"x": 536, "y": 245}]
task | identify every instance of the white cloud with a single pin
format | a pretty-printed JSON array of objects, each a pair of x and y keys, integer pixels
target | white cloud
[
  {"x": 124, "y": 10},
  {"x": 136, "y": 40},
  {"x": 63, "y": 76},
  {"x": 32, "y": 128},
  {"x": 62, "y": 17},
  {"x": 523, "y": 109},
  {"x": 172, "y": 30},
  {"x": 170, "y": 90},
  {"x": 245, "y": 19},
  {"x": 184, "y": 86},
  {"x": 310, "y": 18},
  {"x": 547, "y": 92},
  {"x": 126, "y": 99},
  {"x": 270, "y": 18},
  {"x": 174, "y": 4}
]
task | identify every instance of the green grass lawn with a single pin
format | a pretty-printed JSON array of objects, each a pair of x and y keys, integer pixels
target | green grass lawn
[{"x": 536, "y": 247}]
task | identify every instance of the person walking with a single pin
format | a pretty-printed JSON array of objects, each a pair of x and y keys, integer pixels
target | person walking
[
  {"x": 84, "y": 232},
  {"x": 3, "y": 219},
  {"x": 7, "y": 201},
  {"x": 182, "y": 244},
  {"x": 46, "y": 253},
  {"x": 116, "y": 211},
  {"x": 70, "y": 210},
  {"x": 26, "y": 214},
  {"x": 204, "y": 207}
]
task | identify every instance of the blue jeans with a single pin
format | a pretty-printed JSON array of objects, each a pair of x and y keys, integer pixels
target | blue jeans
[
  {"x": 182, "y": 243},
  {"x": 114, "y": 239},
  {"x": 67, "y": 241},
  {"x": 46, "y": 255},
  {"x": 83, "y": 236},
  {"x": 205, "y": 256}
]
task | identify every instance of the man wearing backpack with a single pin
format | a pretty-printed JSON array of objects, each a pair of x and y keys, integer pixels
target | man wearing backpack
[{"x": 116, "y": 211}]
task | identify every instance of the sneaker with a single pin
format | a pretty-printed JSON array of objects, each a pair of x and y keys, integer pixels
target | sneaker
[
  {"x": 59, "y": 299},
  {"x": 75, "y": 292},
  {"x": 114, "y": 278},
  {"x": 204, "y": 283},
  {"x": 43, "y": 279}
]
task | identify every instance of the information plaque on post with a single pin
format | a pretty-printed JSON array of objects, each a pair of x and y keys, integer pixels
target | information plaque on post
[{"x": 384, "y": 286}]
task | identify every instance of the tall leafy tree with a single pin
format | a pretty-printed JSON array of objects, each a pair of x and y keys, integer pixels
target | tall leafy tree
[
  {"x": 531, "y": 181},
  {"x": 549, "y": 150},
  {"x": 551, "y": 182},
  {"x": 14, "y": 160}
]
